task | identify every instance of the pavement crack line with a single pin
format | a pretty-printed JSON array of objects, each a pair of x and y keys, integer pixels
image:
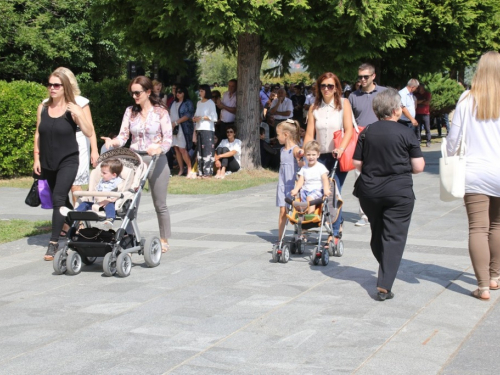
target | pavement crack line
[{"x": 407, "y": 322}]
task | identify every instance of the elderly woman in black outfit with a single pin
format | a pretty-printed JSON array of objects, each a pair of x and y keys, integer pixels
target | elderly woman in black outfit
[
  {"x": 56, "y": 155},
  {"x": 387, "y": 154}
]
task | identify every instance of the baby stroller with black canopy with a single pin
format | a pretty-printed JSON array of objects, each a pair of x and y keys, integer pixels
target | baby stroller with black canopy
[
  {"x": 326, "y": 212},
  {"x": 85, "y": 243}
]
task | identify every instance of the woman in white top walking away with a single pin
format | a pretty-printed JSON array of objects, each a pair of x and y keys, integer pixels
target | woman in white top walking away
[
  {"x": 204, "y": 119},
  {"x": 478, "y": 110}
]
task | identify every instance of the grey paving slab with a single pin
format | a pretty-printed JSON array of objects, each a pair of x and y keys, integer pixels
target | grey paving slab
[{"x": 218, "y": 305}]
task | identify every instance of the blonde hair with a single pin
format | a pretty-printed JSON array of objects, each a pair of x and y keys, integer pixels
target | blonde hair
[
  {"x": 312, "y": 146},
  {"x": 72, "y": 79},
  {"x": 156, "y": 83},
  {"x": 292, "y": 127},
  {"x": 69, "y": 97},
  {"x": 485, "y": 90}
]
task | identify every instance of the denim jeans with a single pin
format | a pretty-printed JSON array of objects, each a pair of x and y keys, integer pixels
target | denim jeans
[{"x": 329, "y": 161}]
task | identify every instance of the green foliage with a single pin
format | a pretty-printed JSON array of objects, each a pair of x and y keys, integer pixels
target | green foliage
[
  {"x": 108, "y": 101},
  {"x": 445, "y": 92},
  {"x": 38, "y": 36},
  {"x": 217, "y": 66},
  {"x": 19, "y": 101},
  {"x": 295, "y": 77}
]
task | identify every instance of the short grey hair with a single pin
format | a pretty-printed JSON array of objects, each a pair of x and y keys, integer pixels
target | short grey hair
[
  {"x": 413, "y": 83},
  {"x": 386, "y": 102}
]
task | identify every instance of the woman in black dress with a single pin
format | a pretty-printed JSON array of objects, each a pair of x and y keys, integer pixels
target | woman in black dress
[
  {"x": 56, "y": 155},
  {"x": 387, "y": 154}
]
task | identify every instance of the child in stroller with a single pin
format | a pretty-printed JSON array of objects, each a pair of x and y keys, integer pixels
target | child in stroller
[
  {"x": 316, "y": 209},
  {"x": 110, "y": 181},
  {"x": 85, "y": 241}
]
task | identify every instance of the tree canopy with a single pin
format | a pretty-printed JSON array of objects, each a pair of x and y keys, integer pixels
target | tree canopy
[{"x": 38, "y": 36}]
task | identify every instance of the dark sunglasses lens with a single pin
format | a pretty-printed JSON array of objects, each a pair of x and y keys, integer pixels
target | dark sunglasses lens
[
  {"x": 57, "y": 86},
  {"x": 363, "y": 77},
  {"x": 329, "y": 86},
  {"x": 229, "y": 132}
]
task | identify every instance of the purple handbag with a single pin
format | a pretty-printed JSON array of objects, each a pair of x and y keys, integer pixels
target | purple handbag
[{"x": 45, "y": 194}]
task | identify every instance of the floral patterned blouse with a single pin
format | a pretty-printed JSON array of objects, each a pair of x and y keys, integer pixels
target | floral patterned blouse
[{"x": 155, "y": 129}]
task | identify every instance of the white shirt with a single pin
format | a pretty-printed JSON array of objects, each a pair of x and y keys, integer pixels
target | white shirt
[
  {"x": 482, "y": 140},
  {"x": 328, "y": 121},
  {"x": 310, "y": 99},
  {"x": 408, "y": 101},
  {"x": 312, "y": 176},
  {"x": 233, "y": 146},
  {"x": 174, "y": 112},
  {"x": 285, "y": 106},
  {"x": 206, "y": 109},
  {"x": 228, "y": 101}
]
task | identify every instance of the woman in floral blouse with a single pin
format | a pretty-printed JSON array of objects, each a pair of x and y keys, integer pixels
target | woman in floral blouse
[{"x": 149, "y": 124}]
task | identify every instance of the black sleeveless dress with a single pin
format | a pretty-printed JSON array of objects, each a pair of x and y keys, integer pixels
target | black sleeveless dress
[{"x": 57, "y": 140}]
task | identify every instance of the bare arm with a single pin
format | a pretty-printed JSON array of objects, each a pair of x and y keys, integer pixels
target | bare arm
[
  {"x": 94, "y": 151},
  {"x": 298, "y": 185},
  {"x": 36, "y": 146},
  {"x": 417, "y": 165},
  {"x": 326, "y": 184},
  {"x": 358, "y": 164},
  {"x": 311, "y": 126},
  {"x": 348, "y": 129},
  {"x": 410, "y": 117}
]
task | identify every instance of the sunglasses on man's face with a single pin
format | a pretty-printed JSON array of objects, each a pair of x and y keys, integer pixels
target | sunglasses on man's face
[
  {"x": 55, "y": 86},
  {"x": 364, "y": 77}
]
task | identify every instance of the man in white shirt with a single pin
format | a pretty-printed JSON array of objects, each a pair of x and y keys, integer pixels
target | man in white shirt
[
  {"x": 228, "y": 109},
  {"x": 281, "y": 107},
  {"x": 409, "y": 103}
]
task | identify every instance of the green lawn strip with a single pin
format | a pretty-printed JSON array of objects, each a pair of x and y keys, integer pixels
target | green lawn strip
[
  {"x": 181, "y": 185},
  {"x": 11, "y": 230}
]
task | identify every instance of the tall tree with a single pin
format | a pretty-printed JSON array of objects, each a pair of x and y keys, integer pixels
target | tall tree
[{"x": 38, "y": 36}]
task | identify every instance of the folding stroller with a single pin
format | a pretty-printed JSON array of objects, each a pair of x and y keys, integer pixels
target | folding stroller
[
  {"x": 85, "y": 243},
  {"x": 325, "y": 213}
]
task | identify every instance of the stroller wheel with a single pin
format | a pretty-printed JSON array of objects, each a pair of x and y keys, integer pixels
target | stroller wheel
[
  {"x": 152, "y": 251},
  {"x": 339, "y": 251},
  {"x": 109, "y": 264},
  {"x": 73, "y": 263},
  {"x": 315, "y": 257},
  {"x": 276, "y": 257},
  {"x": 59, "y": 262},
  {"x": 300, "y": 246},
  {"x": 332, "y": 248},
  {"x": 123, "y": 265},
  {"x": 293, "y": 247},
  {"x": 88, "y": 260},
  {"x": 325, "y": 257},
  {"x": 285, "y": 253}
]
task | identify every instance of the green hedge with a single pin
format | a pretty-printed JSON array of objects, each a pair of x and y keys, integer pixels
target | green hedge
[
  {"x": 445, "y": 93},
  {"x": 108, "y": 101},
  {"x": 19, "y": 101}
]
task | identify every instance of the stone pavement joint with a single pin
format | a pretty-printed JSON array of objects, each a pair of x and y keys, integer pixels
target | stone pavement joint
[{"x": 217, "y": 304}]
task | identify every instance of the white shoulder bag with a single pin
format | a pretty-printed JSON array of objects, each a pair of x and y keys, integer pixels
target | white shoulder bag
[{"x": 452, "y": 171}]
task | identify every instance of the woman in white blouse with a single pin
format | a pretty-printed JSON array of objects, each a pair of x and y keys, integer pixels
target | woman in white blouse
[
  {"x": 478, "y": 112},
  {"x": 329, "y": 113},
  {"x": 204, "y": 119}
]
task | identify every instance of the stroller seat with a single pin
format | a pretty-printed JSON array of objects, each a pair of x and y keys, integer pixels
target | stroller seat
[{"x": 300, "y": 209}]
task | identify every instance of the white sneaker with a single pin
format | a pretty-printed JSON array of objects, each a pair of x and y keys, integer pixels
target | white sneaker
[
  {"x": 362, "y": 222},
  {"x": 64, "y": 211},
  {"x": 107, "y": 225}
]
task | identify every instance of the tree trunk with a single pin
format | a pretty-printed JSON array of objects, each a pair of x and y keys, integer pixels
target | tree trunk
[{"x": 248, "y": 105}]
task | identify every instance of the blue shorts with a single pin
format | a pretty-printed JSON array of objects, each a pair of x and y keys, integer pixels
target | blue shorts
[{"x": 314, "y": 194}]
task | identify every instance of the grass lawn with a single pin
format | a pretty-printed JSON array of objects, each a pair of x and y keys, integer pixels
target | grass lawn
[
  {"x": 181, "y": 185},
  {"x": 235, "y": 181},
  {"x": 11, "y": 230}
]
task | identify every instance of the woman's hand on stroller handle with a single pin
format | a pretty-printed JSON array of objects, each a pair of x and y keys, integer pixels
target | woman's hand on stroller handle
[
  {"x": 154, "y": 149},
  {"x": 337, "y": 153}
]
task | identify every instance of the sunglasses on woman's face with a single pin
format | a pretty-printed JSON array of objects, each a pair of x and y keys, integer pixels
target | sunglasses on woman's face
[
  {"x": 55, "y": 86},
  {"x": 136, "y": 93},
  {"x": 229, "y": 132},
  {"x": 324, "y": 86},
  {"x": 179, "y": 92}
]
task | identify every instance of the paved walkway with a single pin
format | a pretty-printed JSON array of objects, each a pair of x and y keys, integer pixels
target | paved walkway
[{"x": 218, "y": 305}]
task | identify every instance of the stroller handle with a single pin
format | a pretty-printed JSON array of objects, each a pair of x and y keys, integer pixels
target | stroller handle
[{"x": 314, "y": 202}]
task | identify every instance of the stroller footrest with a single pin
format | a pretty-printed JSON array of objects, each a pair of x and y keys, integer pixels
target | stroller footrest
[{"x": 85, "y": 216}]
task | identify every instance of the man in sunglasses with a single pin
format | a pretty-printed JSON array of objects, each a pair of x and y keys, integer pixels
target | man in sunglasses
[{"x": 361, "y": 102}]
